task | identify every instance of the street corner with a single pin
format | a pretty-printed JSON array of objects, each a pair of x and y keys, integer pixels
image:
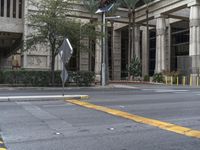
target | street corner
[
  {"x": 77, "y": 97},
  {"x": 2, "y": 145}
]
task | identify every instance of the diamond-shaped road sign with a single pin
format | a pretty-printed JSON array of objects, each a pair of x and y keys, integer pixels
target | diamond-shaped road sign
[{"x": 65, "y": 52}]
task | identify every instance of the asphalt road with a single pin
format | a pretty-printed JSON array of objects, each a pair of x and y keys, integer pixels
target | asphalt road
[{"x": 60, "y": 125}]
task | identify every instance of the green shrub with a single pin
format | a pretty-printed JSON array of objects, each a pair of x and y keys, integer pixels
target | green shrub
[
  {"x": 83, "y": 78},
  {"x": 158, "y": 77},
  {"x": 135, "y": 67},
  {"x": 42, "y": 78},
  {"x": 146, "y": 78},
  {"x": 1, "y": 77}
]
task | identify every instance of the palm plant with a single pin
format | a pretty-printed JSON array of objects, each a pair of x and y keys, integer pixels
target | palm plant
[
  {"x": 130, "y": 4},
  {"x": 91, "y": 6},
  {"x": 111, "y": 13},
  {"x": 147, "y": 18}
]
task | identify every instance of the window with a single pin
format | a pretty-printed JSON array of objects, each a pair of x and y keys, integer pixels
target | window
[
  {"x": 14, "y": 8},
  {"x": 2, "y": 8},
  {"x": 8, "y": 8},
  {"x": 20, "y": 8}
]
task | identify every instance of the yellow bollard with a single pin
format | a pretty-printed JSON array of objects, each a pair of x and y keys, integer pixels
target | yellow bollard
[
  {"x": 171, "y": 80},
  {"x": 197, "y": 81},
  {"x": 183, "y": 80},
  {"x": 177, "y": 81},
  {"x": 190, "y": 80}
]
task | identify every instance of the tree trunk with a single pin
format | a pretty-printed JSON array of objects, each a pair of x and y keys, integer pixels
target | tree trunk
[
  {"x": 90, "y": 49},
  {"x": 129, "y": 41},
  {"x": 112, "y": 48},
  {"x": 147, "y": 18},
  {"x": 52, "y": 67},
  {"x": 133, "y": 34}
]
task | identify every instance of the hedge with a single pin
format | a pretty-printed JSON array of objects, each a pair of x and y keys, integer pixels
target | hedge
[{"x": 42, "y": 78}]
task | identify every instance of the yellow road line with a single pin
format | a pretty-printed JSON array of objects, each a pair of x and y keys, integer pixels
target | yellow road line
[
  {"x": 2, "y": 148},
  {"x": 156, "y": 123}
]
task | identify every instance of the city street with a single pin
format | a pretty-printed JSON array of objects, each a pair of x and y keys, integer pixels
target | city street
[{"x": 56, "y": 124}]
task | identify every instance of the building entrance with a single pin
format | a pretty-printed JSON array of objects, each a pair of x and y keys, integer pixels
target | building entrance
[{"x": 179, "y": 42}]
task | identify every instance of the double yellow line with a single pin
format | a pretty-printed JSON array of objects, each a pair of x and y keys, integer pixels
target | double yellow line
[
  {"x": 2, "y": 145},
  {"x": 156, "y": 123}
]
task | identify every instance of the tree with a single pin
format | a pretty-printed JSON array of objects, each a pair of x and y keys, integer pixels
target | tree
[
  {"x": 147, "y": 19},
  {"x": 91, "y": 6},
  {"x": 130, "y": 4},
  {"x": 50, "y": 26}
]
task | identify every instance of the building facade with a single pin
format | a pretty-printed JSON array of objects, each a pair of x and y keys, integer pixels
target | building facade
[{"x": 172, "y": 42}]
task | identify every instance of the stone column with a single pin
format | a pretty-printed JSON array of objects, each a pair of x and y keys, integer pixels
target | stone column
[
  {"x": 160, "y": 44},
  {"x": 98, "y": 56},
  {"x": 84, "y": 56},
  {"x": 168, "y": 54},
  {"x": 0, "y": 8},
  {"x": 5, "y": 8},
  {"x": 137, "y": 41},
  {"x": 116, "y": 54},
  {"x": 17, "y": 8},
  {"x": 11, "y": 8},
  {"x": 145, "y": 53},
  {"x": 58, "y": 63},
  {"x": 194, "y": 34}
]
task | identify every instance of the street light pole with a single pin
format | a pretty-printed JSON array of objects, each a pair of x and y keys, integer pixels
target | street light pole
[{"x": 103, "y": 67}]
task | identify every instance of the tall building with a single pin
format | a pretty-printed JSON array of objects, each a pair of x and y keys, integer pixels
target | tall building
[{"x": 173, "y": 42}]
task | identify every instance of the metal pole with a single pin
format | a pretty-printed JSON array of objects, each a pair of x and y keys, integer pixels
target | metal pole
[
  {"x": 63, "y": 83},
  {"x": 103, "y": 67}
]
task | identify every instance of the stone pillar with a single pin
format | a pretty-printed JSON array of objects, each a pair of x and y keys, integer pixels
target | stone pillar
[
  {"x": 116, "y": 55},
  {"x": 11, "y": 8},
  {"x": 0, "y": 9},
  {"x": 17, "y": 8},
  {"x": 5, "y": 8},
  {"x": 58, "y": 63},
  {"x": 168, "y": 54},
  {"x": 160, "y": 44},
  {"x": 194, "y": 34},
  {"x": 98, "y": 56},
  {"x": 84, "y": 56},
  {"x": 145, "y": 53},
  {"x": 137, "y": 41}
]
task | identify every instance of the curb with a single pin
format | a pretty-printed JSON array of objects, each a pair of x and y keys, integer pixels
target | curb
[
  {"x": 2, "y": 145},
  {"x": 41, "y": 98}
]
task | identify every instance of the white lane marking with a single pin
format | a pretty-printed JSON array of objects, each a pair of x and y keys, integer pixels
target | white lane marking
[
  {"x": 41, "y": 97},
  {"x": 169, "y": 90},
  {"x": 124, "y": 86},
  {"x": 166, "y": 90},
  {"x": 180, "y": 92},
  {"x": 148, "y": 89},
  {"x": 59, "y": 105}
]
